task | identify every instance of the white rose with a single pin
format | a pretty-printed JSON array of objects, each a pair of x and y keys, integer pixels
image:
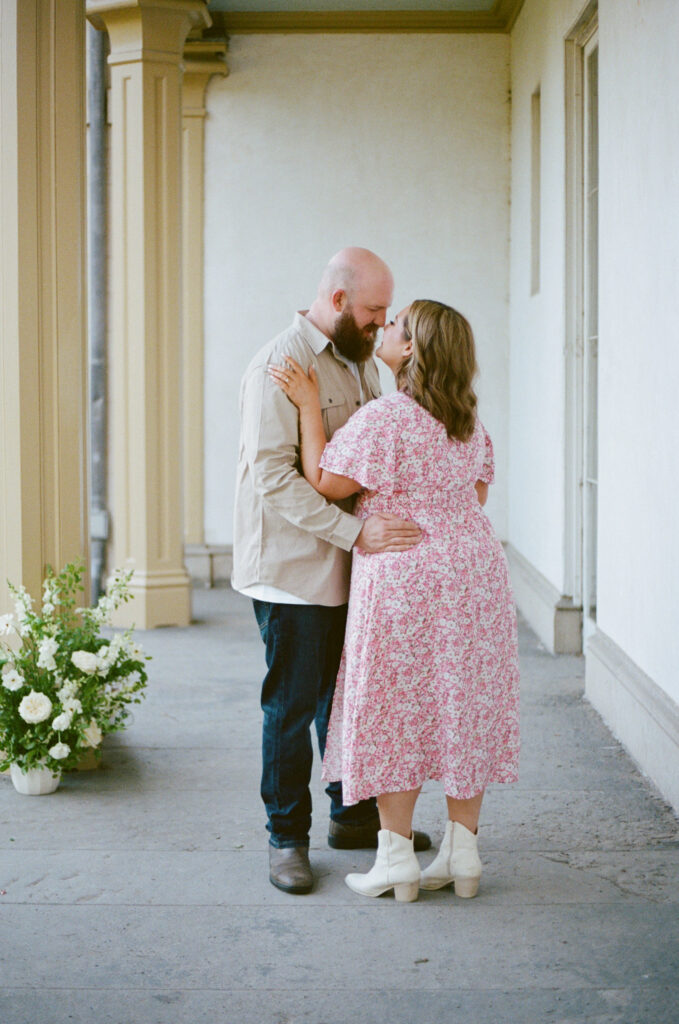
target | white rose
[
  {"x": 72, "y": 705},
  {"x": 92, "y": 734},
  {"x": 59, "y": 751},
  {"x": 35, "y": 707},
  {"x": 12, "y": 680},
  {"x": 85, "y": 661},
  {"x": 6, "y": 624},
  {"x": 69, "y": 689},
  {"x": 62, "y": 721},
  {"x": 47, "y": 648}
]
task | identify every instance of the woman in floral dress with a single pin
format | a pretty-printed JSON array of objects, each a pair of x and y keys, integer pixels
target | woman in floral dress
[{"x": 428, "y": 685}]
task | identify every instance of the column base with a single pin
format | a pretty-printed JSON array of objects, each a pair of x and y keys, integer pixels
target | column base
[
  {"x": 209, "y": 565},
  {"x": 158, "y": 599},
  {"x": 555, "y": 619}
]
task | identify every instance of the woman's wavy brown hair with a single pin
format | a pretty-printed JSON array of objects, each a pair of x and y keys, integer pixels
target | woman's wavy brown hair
[{"x": 440, "y": 373}]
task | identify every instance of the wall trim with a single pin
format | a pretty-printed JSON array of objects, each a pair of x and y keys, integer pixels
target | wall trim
[
  {"x": 209, "y": 565},
  {"x": 552, "y": 615},
  {"x": 500, "y": 18},
  {"x": 637, "y": 711}
]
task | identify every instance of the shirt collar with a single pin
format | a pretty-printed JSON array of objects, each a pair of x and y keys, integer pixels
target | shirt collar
[
  {"x": 316, "y": 339},
  {"x": 312, "y": 335}
]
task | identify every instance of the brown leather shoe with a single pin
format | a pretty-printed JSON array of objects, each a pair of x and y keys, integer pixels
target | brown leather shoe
[
  {"x": 364, "y": 837},
  {"x": 289, "y": 869}
]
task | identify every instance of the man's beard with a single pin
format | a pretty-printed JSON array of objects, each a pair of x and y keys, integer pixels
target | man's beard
[{"x": 353, "y": 342}]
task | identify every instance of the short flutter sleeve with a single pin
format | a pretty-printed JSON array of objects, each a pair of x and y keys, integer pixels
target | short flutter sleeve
[
  {"x": 487, "y": 473},
  {"x": 364, "y": 448}
]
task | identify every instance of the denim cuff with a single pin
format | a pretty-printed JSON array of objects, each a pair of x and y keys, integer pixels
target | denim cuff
[{"x": 288, "y": 844}]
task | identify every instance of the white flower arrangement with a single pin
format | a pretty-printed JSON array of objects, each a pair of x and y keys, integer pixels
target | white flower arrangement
[{"x": 63, "y": 685}]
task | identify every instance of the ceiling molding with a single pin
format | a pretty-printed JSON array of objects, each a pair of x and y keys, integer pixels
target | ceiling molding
[
  {"x": 500, "y": 18},
  {"x": 508, "y": 11}
]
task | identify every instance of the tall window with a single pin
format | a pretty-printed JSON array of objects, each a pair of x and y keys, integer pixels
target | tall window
[
  {"x": 591, "y": 327},
  {"x": 535, "y": 193},
  {"x": 582, "y": 315}
]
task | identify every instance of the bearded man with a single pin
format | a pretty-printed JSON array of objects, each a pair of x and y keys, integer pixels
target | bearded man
[{"x": 292, "y": 553}]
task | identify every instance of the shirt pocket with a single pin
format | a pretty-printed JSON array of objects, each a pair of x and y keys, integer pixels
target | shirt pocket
[{"x": 335, "y": 410}]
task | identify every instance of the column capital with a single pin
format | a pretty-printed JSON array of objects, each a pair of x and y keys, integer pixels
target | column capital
[
  {"x": 203, "y": 58},
  {"x": 152, "y": 30}
]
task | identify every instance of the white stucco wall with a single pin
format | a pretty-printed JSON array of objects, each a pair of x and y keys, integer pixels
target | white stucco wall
[
  {"x": 396, "y": 142},
  {"x": 537, "y": 383},
  {"x": 639, "y": 334}
]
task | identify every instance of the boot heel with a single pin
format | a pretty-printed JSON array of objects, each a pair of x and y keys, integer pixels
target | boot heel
[
  {"x": 465, "y": 888},
  {"x": 406, "y": 892}
]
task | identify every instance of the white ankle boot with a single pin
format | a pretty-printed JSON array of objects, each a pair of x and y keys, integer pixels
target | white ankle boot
[
  {"x": 457, "y": 861},
  {"x": 396, "y": 867}
]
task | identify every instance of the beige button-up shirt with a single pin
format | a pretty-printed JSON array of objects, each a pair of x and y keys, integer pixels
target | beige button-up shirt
[{"x": 285, "y": 534}]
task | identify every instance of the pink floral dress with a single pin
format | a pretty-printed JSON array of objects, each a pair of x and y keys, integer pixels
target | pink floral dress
[{"x": 428, "y": 686}]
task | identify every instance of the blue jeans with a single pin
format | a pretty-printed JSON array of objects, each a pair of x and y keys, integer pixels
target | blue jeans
[{"x": 303, "y": 650}]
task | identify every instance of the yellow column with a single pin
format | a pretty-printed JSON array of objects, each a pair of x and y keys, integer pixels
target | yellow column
[
  {"x": 147, "y": 40},
  {"x": 202, "y": 59},
  {"x": 43, "y": 345}
]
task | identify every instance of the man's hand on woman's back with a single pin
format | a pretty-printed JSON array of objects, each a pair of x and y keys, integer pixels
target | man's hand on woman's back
[{"x": 384, "y": 532}]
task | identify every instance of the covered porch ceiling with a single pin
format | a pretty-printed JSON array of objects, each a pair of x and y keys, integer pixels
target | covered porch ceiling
[{"x": 234, "y": 16}]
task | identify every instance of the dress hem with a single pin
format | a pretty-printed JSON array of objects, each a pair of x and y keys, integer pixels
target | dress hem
[{"x": 351, "y": 797}]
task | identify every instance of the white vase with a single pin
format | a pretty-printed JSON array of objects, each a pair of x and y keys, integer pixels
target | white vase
[{"x": 34, "y": 782}]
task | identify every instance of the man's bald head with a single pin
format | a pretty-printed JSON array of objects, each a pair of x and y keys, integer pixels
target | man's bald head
[{"x": 353, "y": 270}]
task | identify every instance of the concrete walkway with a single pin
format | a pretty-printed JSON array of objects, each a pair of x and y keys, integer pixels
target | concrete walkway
[{"x": 138, "y": 894}]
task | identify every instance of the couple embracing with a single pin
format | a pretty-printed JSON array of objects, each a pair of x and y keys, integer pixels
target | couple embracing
[{"x": 380, "y": 589}]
